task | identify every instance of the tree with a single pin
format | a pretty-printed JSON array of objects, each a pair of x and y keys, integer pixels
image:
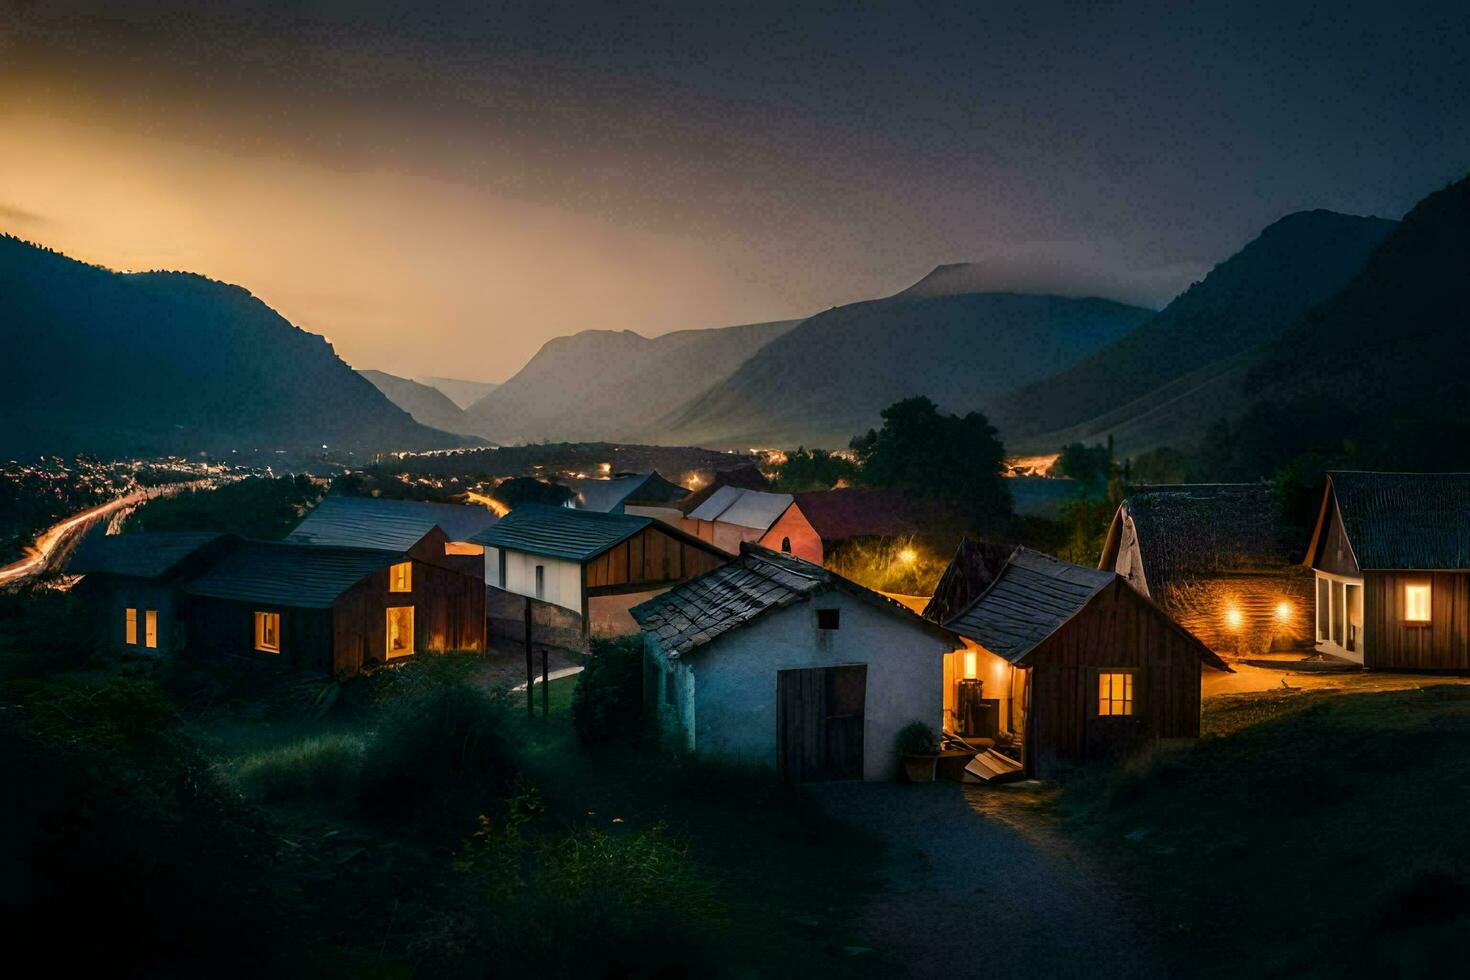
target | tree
[
  {"x": 927, "y": 453},
  {"x": 518, "y": 490},
  {"x": 1085, "y": 464},
  {"x": 816, "y": 469}
]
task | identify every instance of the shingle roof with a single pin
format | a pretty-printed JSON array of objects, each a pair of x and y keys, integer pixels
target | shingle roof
[
  {"x": 147, "y": 554},
  {"x": 697, "y": 611},
  {"x": 1033, "y": 595},
  {"x": 1205, "y": 529},
  {"x": 292, "y": 575},
  {"x": 391, "y": 525},
  {"x": 1405, "y": 520},
  {"x": 747, "y": 508},
  {"x": 561, "y": 532}
]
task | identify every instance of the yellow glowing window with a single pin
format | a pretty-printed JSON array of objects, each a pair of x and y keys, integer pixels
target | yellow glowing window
[
  {"x": 400, "y": 631},
  {"x": 268, "y": 632},
  {"x": 400, "y": 577},
  {"x": 1416, "y": 603},
  {"x": 130, "y": 633},
  {"x": 1115, "y": 693},
  {"x": 150, "y": 629}
]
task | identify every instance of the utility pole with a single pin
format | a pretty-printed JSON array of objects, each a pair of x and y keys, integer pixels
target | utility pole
[
  {"x": 530, "y": 666},
  {"x": 545, "y": 686}
]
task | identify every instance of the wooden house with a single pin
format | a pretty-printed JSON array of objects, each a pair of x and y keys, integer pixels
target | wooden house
[
  {"x": 330, "y": 609},
  {"x": 1093, "y": 668},
  {"x": 132, "y": 583},
  {"x": 771, "y": 660},
  {"x": 1390, "y": 555},
  {"x": 399, "y": 526},
  {"x": 977, "y": 683},
  {"x": 1219, "y": 559},
  {"x": 591, "y": 564}
]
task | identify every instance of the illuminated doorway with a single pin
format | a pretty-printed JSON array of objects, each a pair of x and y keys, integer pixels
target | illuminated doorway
[{"x": 400, "y": 631}]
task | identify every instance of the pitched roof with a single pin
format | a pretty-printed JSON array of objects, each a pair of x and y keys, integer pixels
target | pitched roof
[
  {"x": 391, "y": 525},
  {"x": 1404, "y": 520},
  {"x": 747, "y": 477},
  {"x": 850, "y": 512},
  {"x": 1204, "y": 529},
  {"x": 747, "y": 508},
  {"x": 974, "y": 566},
  {"x": 1034, "y": 596},
  {"x": 292, "y": 575},
  {"x": 561, "y": 532},
  {"x": 607, "y": 495},
  {"x": 697, "y": 611},
  {"x": 146, "y": 554}
]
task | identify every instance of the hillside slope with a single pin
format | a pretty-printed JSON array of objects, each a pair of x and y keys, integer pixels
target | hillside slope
[
  {"x": 828, "y": 379},
  {"x": 98, "y": 361},
  {"x": 1194, "y": 346},
  {"x": 606, "y": 385},
  {"x": 426, "y": 404},
  {"x": 462, "y": 393}
]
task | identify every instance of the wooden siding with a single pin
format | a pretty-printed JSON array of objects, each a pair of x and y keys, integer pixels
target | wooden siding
[
  {"x": 1442, "y": 644},
  {"x": 1203, "y": 606},
  {"x": 1118, "y": 629},
  {"x": 449, "y": 614},
  {"x": 1334, "y": 551},
  {"x": 650, "y": 557},
  {"x": 226, "y": 627}
]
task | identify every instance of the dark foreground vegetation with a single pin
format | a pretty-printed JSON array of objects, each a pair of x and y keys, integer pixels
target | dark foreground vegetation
[
  {"x": 1308, "y": 834},
  {"x": 416, "y": 822}
]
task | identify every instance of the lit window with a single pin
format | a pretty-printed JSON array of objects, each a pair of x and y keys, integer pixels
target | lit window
[
  {"x": 970, "y": 665},
  {"x": 829, "y": 619},
  {"x": 400, "y": 631},
  {"x": 1115, "y": 693},
  {"x": 130, "y": 635},
  {"x": 1416, "y": 603},
  {"x": 400, "y": 577},
  {"x": 150, "y": 629},
  {"x": 268, "y": 632}
]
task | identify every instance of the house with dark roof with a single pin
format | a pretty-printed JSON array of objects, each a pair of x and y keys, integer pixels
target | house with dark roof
[
  {"x": 592, "y": 564},
  {"x": 1390, "y": 555},
  {"x": 1092, "y": 669},
  {"x": 132, "y": 582},
  {"x": 772, "y": 660},
  {"x": 433, "y": 532},
  {"x": 1220, "y": 560},
  {"x": 331, "y": 609},
  {"x": 648, "y": 494}
]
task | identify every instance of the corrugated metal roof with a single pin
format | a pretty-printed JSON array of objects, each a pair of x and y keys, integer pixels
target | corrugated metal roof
[
  {"x": 748, "y": 508},
  {"x": 147, "y": 554},
  {"x": 1405, "y": 520},
  {"x": 391, "y": 525},
  {"x": 292, "y": 575},
  {"x": 1033, "y": 595},
  {"x": 561, "y": 532},
  {"x": 697, "y": 611}
]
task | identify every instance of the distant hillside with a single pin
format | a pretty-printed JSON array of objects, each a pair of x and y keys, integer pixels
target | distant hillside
[
  {"x": 1376, "y": 376},
  {"x": 462, "y": 393},
  {"x": 427, "y": 405},
  {"x": 605, "y": 385},
  {"x": 827, "y": 380},
  {"x": 106, "y": 362},
  {"x": 1162, "y": 383}
]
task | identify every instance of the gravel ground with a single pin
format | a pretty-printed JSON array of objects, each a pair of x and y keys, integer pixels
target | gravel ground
[{"x": 977, "y": 885}]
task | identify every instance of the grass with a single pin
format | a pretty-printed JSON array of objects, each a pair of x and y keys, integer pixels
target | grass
[{"x": 1307, "y": 834}]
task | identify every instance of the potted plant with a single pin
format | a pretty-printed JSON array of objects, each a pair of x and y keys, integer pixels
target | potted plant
[{"x": 918, "y": 747}]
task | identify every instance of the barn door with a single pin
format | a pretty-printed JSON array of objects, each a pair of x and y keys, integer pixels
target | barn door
[{"x": 819, "y": 722}]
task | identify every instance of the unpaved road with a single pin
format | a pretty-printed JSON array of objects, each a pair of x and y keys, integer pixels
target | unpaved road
[{"x": 976, "y": 885}]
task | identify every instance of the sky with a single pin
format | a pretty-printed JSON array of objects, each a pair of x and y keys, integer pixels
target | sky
[{"x": 440, "y": 191}]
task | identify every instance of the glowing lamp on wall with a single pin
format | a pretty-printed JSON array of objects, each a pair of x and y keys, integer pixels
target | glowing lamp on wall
[
  {"x": 1233, "y": 617},
  {"x": 1283, "y": 611},
  {"x": 908, "y": 556},
  {"x": 970, "y": 664}
]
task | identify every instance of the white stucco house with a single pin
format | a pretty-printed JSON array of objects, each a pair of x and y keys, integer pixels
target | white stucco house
[{"x": 771, "y": 660}]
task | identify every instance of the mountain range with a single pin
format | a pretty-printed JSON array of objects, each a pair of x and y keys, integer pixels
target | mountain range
[
  {"x": 426, "y": 403},
  {"x": 167, "y": 362},
  {"x": 462, "y": 393}
]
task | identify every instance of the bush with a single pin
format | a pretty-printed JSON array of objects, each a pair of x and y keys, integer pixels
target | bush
[
  {"x": 917, "y": 738},
  {"x": 326, "y": 767},
  {"x": 437, "y": 756},
  {"x": 607, "y": 705}
]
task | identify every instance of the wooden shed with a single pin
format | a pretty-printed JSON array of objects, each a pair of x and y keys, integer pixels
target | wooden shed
[
  {"x": 330, "y": 609},
  {"x": 1097, "y": 670},
  {"x": 592, "y": 564},
  {"x": 1390, "y": 555},
  {"x": 1220, "y": 560}
]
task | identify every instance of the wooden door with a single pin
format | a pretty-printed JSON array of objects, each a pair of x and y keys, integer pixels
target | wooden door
[{"x": 819, "y": 723}]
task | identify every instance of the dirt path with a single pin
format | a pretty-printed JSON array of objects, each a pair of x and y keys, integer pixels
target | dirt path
[{"x": 978, "y": 885}]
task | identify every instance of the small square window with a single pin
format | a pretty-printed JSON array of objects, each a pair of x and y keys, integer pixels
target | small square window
[
  {"x": 1115, "y": 693},
  {"x": 829, "y": 619},
  {"x": 1417, "y": 603},
  {"x": 400, "y": 577}
]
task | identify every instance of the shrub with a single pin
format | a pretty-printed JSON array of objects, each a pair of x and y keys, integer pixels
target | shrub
[
  {"x": 607, "y": 705},
  {"x": 325, "y": 767},
  {"x": 916, "y": 738}
]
